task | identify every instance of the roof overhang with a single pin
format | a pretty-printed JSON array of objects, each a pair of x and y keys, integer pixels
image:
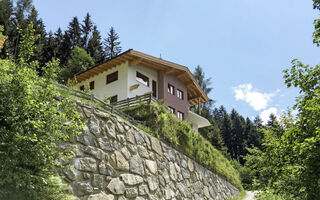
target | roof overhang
[
  {"x": 195, "y": 94},
  {"x": 197, "y": 119}
]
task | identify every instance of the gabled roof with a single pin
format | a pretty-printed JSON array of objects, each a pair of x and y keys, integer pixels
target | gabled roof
[{"x": 195, "y": 93}]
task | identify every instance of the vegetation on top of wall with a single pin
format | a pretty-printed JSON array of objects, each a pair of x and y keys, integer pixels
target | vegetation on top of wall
[{"x": 162, "y": 124}]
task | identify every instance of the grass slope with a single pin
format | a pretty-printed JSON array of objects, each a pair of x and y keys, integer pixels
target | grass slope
[{"x": 162, "y": 124}]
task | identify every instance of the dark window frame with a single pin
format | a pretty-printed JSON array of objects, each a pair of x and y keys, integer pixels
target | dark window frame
[
  {"x": 169, "y": 89},
  {"x": 181, "y": 92},
  {"x": 140, "y": 78},
  {"x": 91, "y": 84},
  {"x": 154, "y": 88},
  {"x": 112, "y": 77}
]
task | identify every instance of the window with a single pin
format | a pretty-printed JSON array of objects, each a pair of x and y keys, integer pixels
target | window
[
  {"x": 180, "y": 115},
  {"x": 154, "y": 88},
  {"x": 113, "y": 99},
  {"x": 82, "y": 87},
  {"x": 112, "y": 77},
  {"x": 91, "y": 85},
  {"x": 171, "y": 89},
  {"x": 142, "y": 79},
  {"x": 171, "y": 110},
  {"x": 179, "y": 94}
]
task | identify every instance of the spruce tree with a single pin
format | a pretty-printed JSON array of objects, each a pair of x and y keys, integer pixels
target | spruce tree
[
  {"x": 74, "y": 33},
  {"x": 204, "y": 83},
  {"x": 95, "y": 48},
  {"x": 272, "y": 120},
  {"x": 112, "y": 44},
  {"x": 86, "y": 29},
  {"x": 65, "y": 49},
  {"x": 237, "y": 133}
]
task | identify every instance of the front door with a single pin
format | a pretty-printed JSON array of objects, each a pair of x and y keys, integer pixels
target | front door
[{"x": 154, "y": 88}]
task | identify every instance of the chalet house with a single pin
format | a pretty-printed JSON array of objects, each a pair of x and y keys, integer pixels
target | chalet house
[{"x": 133, "y": 73}]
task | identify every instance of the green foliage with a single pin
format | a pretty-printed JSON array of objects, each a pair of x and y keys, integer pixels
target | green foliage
[
  {"x": 162, "y": 124},
  {"x": 290, "y": 161},
  {"x": 80, "y": 61},
  {"x": 246, "y": 174},
  {"x": 2, "y": 37},
  {"x": 33, "y": 124},
  {"x": 240, "y": 196},
  {"x": 269, "y": 194}
]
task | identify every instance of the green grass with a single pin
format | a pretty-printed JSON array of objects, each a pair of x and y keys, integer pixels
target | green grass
[
  {"x": 164, "y": 125},
  {"x": 240, "y": 196}
]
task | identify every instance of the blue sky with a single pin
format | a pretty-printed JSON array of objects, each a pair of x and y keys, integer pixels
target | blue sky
[{"x": 243, "y": 45}]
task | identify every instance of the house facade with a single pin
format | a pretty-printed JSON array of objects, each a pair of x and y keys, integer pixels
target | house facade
[{"x": 133, "y": 73}]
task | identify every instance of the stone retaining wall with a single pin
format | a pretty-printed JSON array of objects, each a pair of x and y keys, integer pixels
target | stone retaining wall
[{"x": 117, "y": 161}]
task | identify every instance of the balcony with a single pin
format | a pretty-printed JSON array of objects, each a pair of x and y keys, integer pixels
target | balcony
[{"x": 197, "y": 121}]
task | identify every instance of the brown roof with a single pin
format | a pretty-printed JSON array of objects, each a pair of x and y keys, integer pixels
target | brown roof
[{"x": 135, "y": 57}]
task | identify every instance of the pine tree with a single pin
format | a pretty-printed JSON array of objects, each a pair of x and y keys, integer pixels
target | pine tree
[
  {"x": 74, "y": 33},
  {"x": 272, "y": 120},
  {"x": 112, "y": 44},
  {"x": 86, "y": 29},
  {"x": 50, "y": 48},
  {"x": 237, "y": 135},
  {"x": 95, "y": 48},
  {"x": 225, "y": 129},
  {"x": 65, "y": 48},
  {"x": 205, "y": 86}
]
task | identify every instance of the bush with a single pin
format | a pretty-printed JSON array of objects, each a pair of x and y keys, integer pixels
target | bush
[
  {"x": 164, "y": 125},
  {"x": 32, "y": 124},
  {"x": 247, "y": 175}
]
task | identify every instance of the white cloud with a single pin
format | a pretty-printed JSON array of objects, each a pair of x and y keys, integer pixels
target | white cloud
[
  {"x": 255, "y": 99},
  {"x": 264, "y": 115}
]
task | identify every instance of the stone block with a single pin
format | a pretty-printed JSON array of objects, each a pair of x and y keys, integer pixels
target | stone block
[
  {"x": 116, "y": 186},
  {"x": 136, "y": 165},
  {"x": 86, "y": 164},
  {"x": 131, "y": 179}
]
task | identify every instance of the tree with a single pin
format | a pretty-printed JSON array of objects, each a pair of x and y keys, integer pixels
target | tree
[
  {"x": 237, "y": 131},
  {"x": 74, "y": 33},
  {"x": 112, "y": 44},
  {"x": 80, "y": 61},
  {"x": 272, "y": 120},
  {"x": 95, "y": 48},
  {"x": 86, "y": 29},
  {"x": 33, "y": 123},
  {"x": 205, "y": 86}
]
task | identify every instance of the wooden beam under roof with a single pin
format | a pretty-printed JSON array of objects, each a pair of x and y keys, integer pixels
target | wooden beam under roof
[
  {"x": 117, "y": 62},
  {"x": 170, "y": 71},
  {"x": 155, "y": 65},
  {"x": 135, "y": 61},
  {"x": 194, "y": 98},
  {"x": 182, "y": 75}
]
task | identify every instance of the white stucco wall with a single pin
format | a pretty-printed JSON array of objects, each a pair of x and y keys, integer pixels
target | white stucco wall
[
  {"x": 119, "y": 87},
  {"x": 142, "y": 89}
]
